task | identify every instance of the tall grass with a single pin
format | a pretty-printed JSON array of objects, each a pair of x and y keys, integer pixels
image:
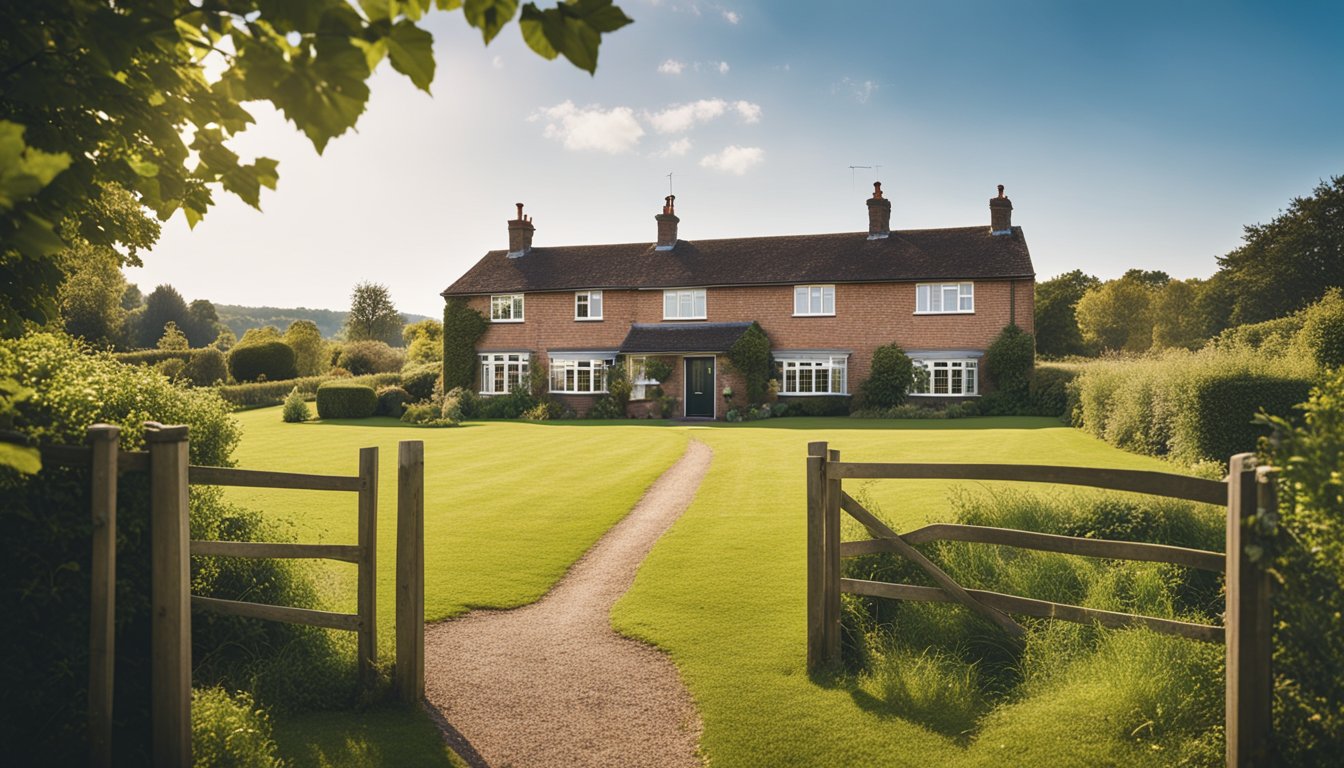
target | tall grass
[{"x": 956, "y": 674}]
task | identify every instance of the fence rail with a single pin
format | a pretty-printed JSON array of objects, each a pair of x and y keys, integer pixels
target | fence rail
[
  {"x": 171, "y": 548},
  {"x": 1249, "y": 490}
]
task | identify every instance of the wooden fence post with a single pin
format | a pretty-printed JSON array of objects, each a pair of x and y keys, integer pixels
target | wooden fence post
[
  {"x": 103, "y": 590},
  {"x": 170, "y": 578},
  {"x": 816, "y": 598},
  {"x": 831, "y": 569},
  {"x": 368, "y": 571},
  {"x": 411, "y": 571},
  {"x": 1248, "y": 617}
]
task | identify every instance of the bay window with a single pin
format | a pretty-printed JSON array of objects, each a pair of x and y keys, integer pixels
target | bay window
[
  {"x": 579, "y": 375},
  {"x": 503, "y": 372},
  {"x": 812, "y": 374},
  {"x": 948, "y": 377}
]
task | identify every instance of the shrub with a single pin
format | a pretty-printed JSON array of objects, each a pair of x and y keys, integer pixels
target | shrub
[
  {"x": 230, "y": 731},
  {"x": 462, "y": 328},
  {"x": 172, "y": 368},
  {"x": 1305, "y": 553},
  {"x": 251, "y": 361},
  {"x": 1219, "y": 420},
  {"x": 419, "y": 380},
  {"x": 392, "y": 401},
  {"x": 172, "y": 338},
  {"x": 460, "y": 404},
  {"x": 548, "y": 410},
  {"x": 296, "y": 408},
  {"x": 151, "y": 356},
  {"x": 206, "y": 367},
  {"x": 658, "y": 368},
  {"x": 1322, "y": 334},
  {"x": 606, "y": 408},
  {"x": 426, "y": 415},
  {"x": 365, "y": 357},
  {"x": 346, "y": 400},
  {"x": 824, "y": 405},
  {"x": 1009, "y": 361},
  {"x": 893, "y": 375},
  {"x": 510, "y": 406},
  {"x": 311, "y": 357},
  {"x": 750, "y": 355},
  {"x": 1048, "y": 391}
]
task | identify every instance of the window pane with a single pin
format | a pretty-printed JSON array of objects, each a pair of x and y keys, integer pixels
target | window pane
[
  {"x": 956, "y": 381},
  {"x": 580, "y": 305},
  {"x": 949, "y": 298},
  {"x": 518, "y": 307},
  {"x": 804, "y": 379},
  {"x": 684, "y": 304},
  {"x": 585, "y": 380},
  {"x": 921, "y": 298},
  {"x": 595, "y": 304},
  {"x": 828, "y": 300},
  {"x": 939, "y": 380},
  {"x": 971, "y": 371},
  {"x": 669, "y": 303},
  {"x": 599, "y": 377},
  {"x": 935, "y": 299},
  {"x": 814, "y": 305},
  {"x": 699, "y": 304},
  {"x": 800, "y": 300},
  {"x": 823, "y": 380},
  {"x": 790, "y": 378}
]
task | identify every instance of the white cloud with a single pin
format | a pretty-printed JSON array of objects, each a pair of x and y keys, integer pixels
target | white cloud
[
  {"x": 723, "y": 67},
  {"x": 683, "y": 117},
  {"x": 734, "y": 159},
  {"x": 731, "y": 17},
  {"x": 860, "y": 91},
  {"x": 612, "y": 130},
  {"x": 671, "y": 67},
  {"x": 678, "y": 148},
  {"x": 750, "y": 113}
]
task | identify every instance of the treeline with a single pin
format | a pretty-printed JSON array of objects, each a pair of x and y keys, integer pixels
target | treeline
[
  {"x": 1281, "y": 268},
  {"x": 330, "y": 322}
]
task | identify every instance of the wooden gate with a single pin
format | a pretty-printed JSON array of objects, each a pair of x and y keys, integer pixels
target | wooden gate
[
  {"x": 170, "y": 476},
  {"x": 1248, "y": 490}
]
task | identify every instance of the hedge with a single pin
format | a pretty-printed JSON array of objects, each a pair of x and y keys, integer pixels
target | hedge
[
  {"x": 1219, "y": 420},
  {"x": 152, "y": 356},
  {"x": 346, "y": 400},
  {"x": 274, "y": 360},
  {"x": 263, "y": 394},
  {"x": 419, "y": 380},
  {"x": 822, "y": 405},
  {"x": 392, "y": 401}
]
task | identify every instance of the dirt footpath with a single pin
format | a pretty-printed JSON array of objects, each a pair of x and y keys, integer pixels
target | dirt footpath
[{"x": 550, "y": 684}]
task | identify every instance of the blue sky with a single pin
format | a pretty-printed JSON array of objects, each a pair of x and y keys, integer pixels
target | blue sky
[{"x": 1128, "y": 135}]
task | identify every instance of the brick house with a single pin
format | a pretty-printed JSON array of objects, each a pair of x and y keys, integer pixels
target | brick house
[{"x": 825, "y": 301}]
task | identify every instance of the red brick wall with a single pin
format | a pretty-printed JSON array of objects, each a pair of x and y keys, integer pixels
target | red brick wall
[{"x": 867, "y": 316}]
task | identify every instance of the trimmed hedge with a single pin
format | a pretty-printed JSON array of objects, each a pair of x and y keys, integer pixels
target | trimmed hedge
[
  {"x": 1048, "y": 390},
  {"x": 274, "y": 360},
  {"x": 346, "y": 400},
  {"x": 151, "y": 356},
  {"x": 206, "y": 367},
  {"x": 1220, "y": 419},
  {"x": 392, "y": 401},
  {"x": 262, "y": 394},
  {"x": 419, "y": 380},
  {"x": 823, "y": 405}
]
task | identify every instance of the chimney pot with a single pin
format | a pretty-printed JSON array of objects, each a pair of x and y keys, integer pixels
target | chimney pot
[
  {"x": 520, "y": 234},
  {"x": 879, "y": 214},
  {"x": 1000, "y": 214},
  {"x": 667, "y": 225}
]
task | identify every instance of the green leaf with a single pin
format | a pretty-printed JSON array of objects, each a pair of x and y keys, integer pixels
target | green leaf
[
  {"x": 378, "y": 10},
  {"x": 531, "y": 23},
  {"x": 143, "y": 167},
  {"x": 601, "y": 15},
  {"x": 33, "y": 237},
  {"x": 193, "y": 216},
  {"x": 412, "y": 52},
  {"x": 489, "y": 16},
  {"x": 24, "y": 171},
  {"x": 24, "y": 460},
  {"x": 576, "y": 40}
]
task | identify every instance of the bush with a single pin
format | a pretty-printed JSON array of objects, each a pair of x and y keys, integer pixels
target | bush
[
  {"x": 1048, "y": 391},
  {"x": 460, "y": 404},
  {"x": 151, "y": 356},
  {"x": 1322, "y": 334},
  {"x": 658, "y": 368},
  {"x": 206, "y": 367},
  {"x": 510, "y": 406},
  {"x": 266, "y": 393},
  {"x": 364, "y": 357},
  {"x": 392, "y": 401},
  {"x": 606, "y": 407},
  {"x": 296, "y": 408},
  {"x": 272, "y": 360},
  {"x": 346, "y": 400},
  {"x": 419, "y": 380},
  {"x": 893, "y": 375},
  {"x": 821, "y": 405},
  {"x": 750, "y": 355},
  {"x": 1009, "y": 361},
  {"x": 230, "y": 731},
  {"x": 548, "y": 410},
  {"x": 1220, "y": 418},
  {"x": 426, "y": 415}
]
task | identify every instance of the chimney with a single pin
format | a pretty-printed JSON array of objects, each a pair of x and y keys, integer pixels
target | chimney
[
  {"x": 1000, "y": 214},
  {"x": 879, "y": 214},
  {"x": 667, "y": 225},
  {"x": 520, "y": 234}
]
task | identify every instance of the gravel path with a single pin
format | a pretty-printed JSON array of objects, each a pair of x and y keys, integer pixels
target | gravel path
[{"x": 550, "y": 684}]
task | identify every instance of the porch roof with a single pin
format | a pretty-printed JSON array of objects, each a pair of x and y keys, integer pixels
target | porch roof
[{"x": 662, "y": 338}]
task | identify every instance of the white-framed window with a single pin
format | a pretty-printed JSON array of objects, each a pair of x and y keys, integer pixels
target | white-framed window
[
  {"x": 503, "y": 372},
  {"x": 640, "y": 382},
  {"x": 813, "y": 300},
  {"x": 949, "y": 378},
  {"x": 588, "y": 305},
  {"x": 944, "y": 298},
  {"x": 818, "y": 374},
  {"x": 506, "y": 308},
  {"x": 684, "y": 304},
  {"x": 579, "y": 376}
]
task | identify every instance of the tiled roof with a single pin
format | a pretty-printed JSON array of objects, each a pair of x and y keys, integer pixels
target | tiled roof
[
  {"x": 655, "y": 338},
  {"x": 921, "y": 254}
]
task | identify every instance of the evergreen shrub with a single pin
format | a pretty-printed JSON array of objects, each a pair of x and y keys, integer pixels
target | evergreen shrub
[
  {"x": 1008, "y": 363},
  {"x": 392, "y": 401},
  {"x": 1220, "y": 418},
  {"x": 346, "y": 400},
  {"x": 750, "y": 355},
  {"x": 206, "y": 367},
  {"x": 1048, "y": 390},
  {"x": 1322, "y": 334},
  {"x": 892, "y": 377},
  {"x": 296, "y": 408},
  {"x": 271, "y": 359},
  {"x": 419, "y": 380},
  {"x": 820, "y": 405}
]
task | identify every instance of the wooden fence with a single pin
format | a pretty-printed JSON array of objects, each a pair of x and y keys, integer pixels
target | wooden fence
[
  {"x": 170, "y": 476},
  {"x": 1246, "y": 622}
]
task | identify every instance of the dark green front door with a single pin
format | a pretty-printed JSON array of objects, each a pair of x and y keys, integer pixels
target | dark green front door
[{"x": 700, "y": 387}]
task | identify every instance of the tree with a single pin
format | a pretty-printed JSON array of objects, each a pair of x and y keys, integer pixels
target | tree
[
  {"x": 1056, "y": 324},
  {"x": 373, "y": 316},
  {"x": 225, "y": 340},
  {"x": 424, "y": 341},
  {"x": 95, "y": 94},
  {"x": 310, "y": 351},
  {"x": 131, "y": 298},
  {"x": 1290, "y": 262},
  {"x": 1177, "y": 317},
  {"x": 162, "y": 305},
  {"x": 202, "y": 322},
  {"x": 90, "y": 296},
  {"x": 173, "y": 339},
  {"x": 1117, "y": 315}
]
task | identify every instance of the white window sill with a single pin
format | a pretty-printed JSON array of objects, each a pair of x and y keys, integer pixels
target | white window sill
[
  {"x": 519, "y": 320},
  {"x": 814, "y": 314},
  {"x": 564, "y": 392},
  {"x": 814, "y": 394},
  {"x": 931, "y": 394},
  {"x": 957, "y": 312},
  {"x": 677, "y": 319},
  {"x": 588, "y": 319}
]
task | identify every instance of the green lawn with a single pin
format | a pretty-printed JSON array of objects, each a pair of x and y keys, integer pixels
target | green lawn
[{"x": 511, "y": 505}]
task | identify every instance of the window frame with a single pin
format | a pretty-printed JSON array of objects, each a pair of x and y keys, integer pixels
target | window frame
[
  {"x": 692, "y": 294},
  {"x": 823, "y": 289},
  {"x": 589, "y": 296},
  {"x": 570, "y": 371},
  {"x": 515, "y": 300},
  {"x": 640, "y": 383},
  {"x": 963, "y": 290},
  {"x": 494, "y": 368},
  {"x": 970, "y": 384},
  {"x": 791, "y": 369}
]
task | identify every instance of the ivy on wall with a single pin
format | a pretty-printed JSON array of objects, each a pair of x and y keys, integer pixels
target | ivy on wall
[{"x": 462, "y": 328}]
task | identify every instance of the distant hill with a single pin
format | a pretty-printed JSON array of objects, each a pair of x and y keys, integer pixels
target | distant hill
[{"x": 329, "y": 321}]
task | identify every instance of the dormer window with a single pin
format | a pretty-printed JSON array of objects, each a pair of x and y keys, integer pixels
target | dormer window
[
  {"x": 944, "y": 298},
  {"x": 588, "y": 305},
  {"x": 506, "y": 308}
]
